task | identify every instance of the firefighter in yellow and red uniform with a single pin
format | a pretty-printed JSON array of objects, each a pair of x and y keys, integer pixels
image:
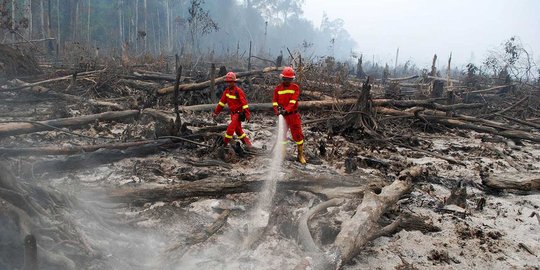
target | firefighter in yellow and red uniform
[
  {"x": 234, "y": 97},
  {"x": 285, "y": 102}
]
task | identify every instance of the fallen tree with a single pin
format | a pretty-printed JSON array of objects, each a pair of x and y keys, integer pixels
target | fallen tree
[
  {"x": 149, "y": 75},
  {"x": 328, "y": 187},
  {"x": 512, "y": 182},
  {"x": 30, "y": 85},
  {"x": 40, "y": 90},
  {"x": 151, "y": 86},
  {"x": 68, "y": 150},
  {"x": 304, "y": 235},
  {"x": 404, "y": 78},
  {"x": 435, "y": 78},
  {"x": 317, "y": 104},
  {"x": 459, "y": 123},
  {"x": 487, "y": 90},
  {"x": 96, "y": 158},
  {"x": 220, "y": 80},
  {"x": 17, "y": 128},
  {"x": 363, "y": 226},
  {"x": 526, "y": 123}
]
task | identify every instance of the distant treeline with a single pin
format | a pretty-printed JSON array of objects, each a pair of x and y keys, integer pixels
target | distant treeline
[{"x": 221, "y": 27}]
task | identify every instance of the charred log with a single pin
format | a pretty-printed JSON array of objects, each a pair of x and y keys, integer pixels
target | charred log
[
  {"x": 16, "y": 128},
  {"x": 512, "y": 183},
  {"x": 327, "y": 187},
  {"x": 220, "y": 80},
  {"x": 363, "y": 225}
]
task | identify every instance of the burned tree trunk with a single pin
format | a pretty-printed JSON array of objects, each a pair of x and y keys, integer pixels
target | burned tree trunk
[
  {"x": 460, "y": 122},
  {"x": 304, "y": 234},
  {"x": 93, "y": 159},
  {"x": 360, "y": 117},
  {"x": 317, "y": 104},
  {"x": 17, "y": 128},
  {"x": 40, "y": 90},
  {"x": 328, "y": 187},
  {"x": 392, "y": 90},
  {"x": 438, "y": 89},
  {"x": 68, "y": 150},
  {"x": 363, "y": 225},
  {"x": 177, "y": 120},
  {"x": 512, "y": 182},
  {"x": 360, "y": 74},
  {"x": 433, "y": 67},
  {"x": 365, "y": 103},
  {"x": 213, "y": 94},
  {"x": 69, "y": 77},
  {"x": 220, "y": 80}
]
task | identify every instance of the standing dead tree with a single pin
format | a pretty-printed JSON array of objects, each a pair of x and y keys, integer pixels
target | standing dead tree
[
  {"x": 177, "y": 121},
  {"x": 360, "y": 74},
  {"x": 200, "y": 23}
]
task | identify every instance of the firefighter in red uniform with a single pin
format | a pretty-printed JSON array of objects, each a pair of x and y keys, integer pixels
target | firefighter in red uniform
[
  {"x": 285, "y": 102},
  {"x": 236, "y": 99}
]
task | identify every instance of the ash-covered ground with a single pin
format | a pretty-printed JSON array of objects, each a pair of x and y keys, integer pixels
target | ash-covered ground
[{"x": 503, "y": 234}]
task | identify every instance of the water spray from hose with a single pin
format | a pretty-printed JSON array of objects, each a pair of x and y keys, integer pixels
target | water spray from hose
[{"x": 261, "y": 214}]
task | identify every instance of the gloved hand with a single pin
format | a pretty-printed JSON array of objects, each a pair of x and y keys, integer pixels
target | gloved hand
[{"x": 281, "y": 110}]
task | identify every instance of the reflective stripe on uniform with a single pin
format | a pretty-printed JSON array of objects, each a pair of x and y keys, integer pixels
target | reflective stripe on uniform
[
  {"x": 245, "y": 107},
  {"x": 231, "y": 96},
  {"x": 300, "y": 142},
  {"x": 242, "y": 136},
  {"x": 221, "y": 104},
  {"x": 228, "y": 136},
  {"x": 292, "y": 101},
  {"x": 283, "y": 92},
  {"x": 274, "y": 104}
]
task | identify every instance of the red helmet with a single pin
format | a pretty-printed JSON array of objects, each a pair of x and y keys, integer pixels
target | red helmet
[
  {"x": 230, "y": 77},
  {"x": 288, "y": 72}
]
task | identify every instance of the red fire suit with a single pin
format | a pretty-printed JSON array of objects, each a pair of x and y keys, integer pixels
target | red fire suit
[
  {"x": 287, "y": 98},
  {"x": 236, "y": 100}
]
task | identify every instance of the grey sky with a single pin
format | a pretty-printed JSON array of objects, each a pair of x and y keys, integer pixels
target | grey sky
[{"x": 421, "y": 28}]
